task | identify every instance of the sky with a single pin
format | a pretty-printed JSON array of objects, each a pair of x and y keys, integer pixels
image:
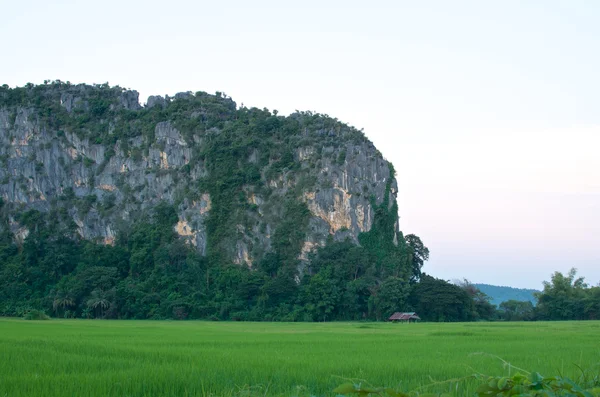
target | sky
[{"x": 489, "y": 111}]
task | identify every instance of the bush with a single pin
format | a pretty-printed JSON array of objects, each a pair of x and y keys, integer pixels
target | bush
[
  {"x": 36, "y": 315},
  {"x": 529, "y": 385}
]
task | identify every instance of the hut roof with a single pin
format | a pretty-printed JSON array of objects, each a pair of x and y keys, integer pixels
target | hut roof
[{"x": 404, "y": 316}]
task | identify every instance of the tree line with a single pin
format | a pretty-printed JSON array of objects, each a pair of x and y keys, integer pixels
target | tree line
[
  {"x": 564, "y": 297},
  {"x": 152, "y": 274}
]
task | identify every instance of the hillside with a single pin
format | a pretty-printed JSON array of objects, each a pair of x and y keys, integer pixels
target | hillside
[
  {"x": 236, "y": 176},
  {"x": 499, "y": 294},
  {"x": 191, "y": 206}
]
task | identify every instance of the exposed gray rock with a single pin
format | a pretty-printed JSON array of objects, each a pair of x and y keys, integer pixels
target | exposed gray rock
[
  {"x": 156, "y": 100},
  {"x": 130, "y": 100},
  {"x": 41, "y": 164},
  {"x": 184, "y": 95}
]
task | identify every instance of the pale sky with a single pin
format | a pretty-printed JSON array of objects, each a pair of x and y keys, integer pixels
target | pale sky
[{"x": 490, "y": 111}]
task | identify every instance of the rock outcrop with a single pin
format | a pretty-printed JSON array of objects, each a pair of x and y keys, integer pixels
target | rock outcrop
[{"x": 112, "y": 161}]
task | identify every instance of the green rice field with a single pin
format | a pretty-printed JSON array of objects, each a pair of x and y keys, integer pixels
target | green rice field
[{"x": 162, "y": 358}]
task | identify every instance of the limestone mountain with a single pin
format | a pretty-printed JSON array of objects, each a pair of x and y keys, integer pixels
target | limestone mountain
[
  {"x": 245, "y": 182},
  {"x": 193, "y": 207}
]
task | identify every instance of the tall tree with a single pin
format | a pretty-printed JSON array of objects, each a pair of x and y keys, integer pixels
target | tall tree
[
  {"x": 481, "y": 307},
  {"x": 438, "y": 300},
  {"x": 419, "y": 254},
  {"x": 514, "y": 310},
  {"x": 562, "y": 297}
]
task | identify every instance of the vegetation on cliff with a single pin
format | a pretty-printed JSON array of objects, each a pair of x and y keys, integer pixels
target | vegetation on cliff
[
  {"x": 192, "y": 207},
  {"x": 151, "y": 273}
]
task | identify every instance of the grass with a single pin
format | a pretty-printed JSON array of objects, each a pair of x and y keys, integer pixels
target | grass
[{"x": 154, "y": 358}]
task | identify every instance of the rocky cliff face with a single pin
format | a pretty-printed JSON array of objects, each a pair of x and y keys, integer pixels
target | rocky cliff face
[{"x": 244, "y": 182}]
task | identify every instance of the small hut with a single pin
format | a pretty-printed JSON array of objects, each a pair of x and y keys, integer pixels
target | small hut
[{"x": 406, "y": 317}]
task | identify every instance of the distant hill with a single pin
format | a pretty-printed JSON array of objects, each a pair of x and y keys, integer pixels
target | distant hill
[{"x": 500, "y": 294}]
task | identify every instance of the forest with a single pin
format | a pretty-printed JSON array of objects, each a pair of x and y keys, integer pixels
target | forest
[{"x": 152, "y": 274}]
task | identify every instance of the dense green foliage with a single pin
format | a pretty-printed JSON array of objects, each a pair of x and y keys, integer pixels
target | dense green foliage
[
  {"x": 166, "y": 358},
  {"x": 438, "y": 300},
  {"x": 564, "y": 297},
  {"x": 536, "y": 385},
  {"x": 150, "y": 273},
  {"x": 514, "y": 310},
  {"x": 568, "y": 298},
  {"x": 529, "y": 385},
  {"x": 36, "y": 315}
]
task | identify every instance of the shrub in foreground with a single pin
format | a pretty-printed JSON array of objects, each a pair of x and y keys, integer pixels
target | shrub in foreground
[
  {"x": 531, "y": 385},
  {"x": 36, "y": 315}
]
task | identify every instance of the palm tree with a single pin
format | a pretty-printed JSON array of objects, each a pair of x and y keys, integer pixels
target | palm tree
[
  {"x": 61, "y": 302},
  {"x": 86, "y": 313},
  {"x": 98, "y": 302}
]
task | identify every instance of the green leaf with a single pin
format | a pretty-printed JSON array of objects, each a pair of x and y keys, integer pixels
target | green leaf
[
  {"x": 346, "y": 388},
  {"x": 536, "y": 378},
  {"x": 393, "y": 393},
  {"x": 551, "y": 379},
  {"x": 369, "y": 390},
  {"x": 518, "y": 378},
  {"x": 485, "y": 389}
]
